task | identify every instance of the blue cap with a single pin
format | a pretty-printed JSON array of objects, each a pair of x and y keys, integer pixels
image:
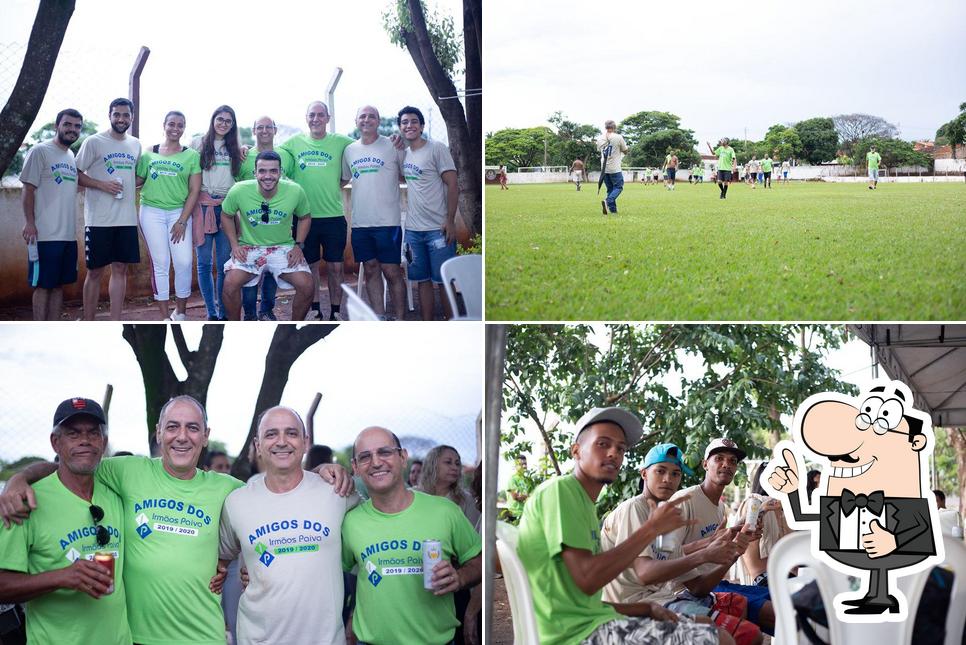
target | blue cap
[{"x": 666, "y": 452}]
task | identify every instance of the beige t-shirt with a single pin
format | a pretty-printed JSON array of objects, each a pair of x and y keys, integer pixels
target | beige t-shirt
[
  {"x": 104, "y": 158},
  {"x": 773, "y": 528},
  {"x": 218, "y": 179},
  {"x": 617, "y": 150},
  {"x": 709, "y": 516},
  {"x": 374, "y": 171},
  {"x": 617, "y": 527},
  {"x": 54, "y": 173}
]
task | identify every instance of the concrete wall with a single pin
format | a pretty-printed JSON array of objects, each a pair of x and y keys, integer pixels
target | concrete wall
[{"x": 13, "y": 252}]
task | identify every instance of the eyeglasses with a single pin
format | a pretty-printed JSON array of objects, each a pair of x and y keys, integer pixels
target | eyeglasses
[
  {"x": 103, "y": 537},
  {"x": 265, "y": 213},
  {"x": 384, "y": 453},
  {"x": 221, "y": 121}
]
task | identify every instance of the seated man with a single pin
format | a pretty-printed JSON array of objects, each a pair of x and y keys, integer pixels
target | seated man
[
  {"x": 560, "y": 548},
  {"x": 661, "y": 565},
  {"x": 721, "y": 459},
  {"x": 265, "y": 208}
]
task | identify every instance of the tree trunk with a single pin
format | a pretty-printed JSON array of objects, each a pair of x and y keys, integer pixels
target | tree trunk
[
  {"x": 466, "y": 151},
  {"x": 288, "y": 344},
  {"x": 957, "y": 438},
  {"x": 24, "y": 103},
  {"x": 160, "y": 381}
]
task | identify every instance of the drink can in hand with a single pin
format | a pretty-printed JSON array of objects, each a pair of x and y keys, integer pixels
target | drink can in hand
[
  {"x": 432, "y": 555},
  {"x": 751, "y": 515},
  {"x": 106, "y": 560}
]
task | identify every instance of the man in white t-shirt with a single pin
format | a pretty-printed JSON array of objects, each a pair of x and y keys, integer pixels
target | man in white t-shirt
[
  {"x": 374, "y": 165},
  {"x": 286, "y": 524},
  {"x": 612, "y": 149},
  {"x": 434, "y": 194},
  {"x": 105, "y": 167},
  {"x": 49, "y": 178}
]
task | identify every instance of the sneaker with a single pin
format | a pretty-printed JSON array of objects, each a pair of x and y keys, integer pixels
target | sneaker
[
  {"x": 313, "y": 315},
  {"x": 603, "y": 207},
  {"x": 267, "y": 316},
  {"x": 337, "y": 316},
  {"x": 176, "y": 317}
]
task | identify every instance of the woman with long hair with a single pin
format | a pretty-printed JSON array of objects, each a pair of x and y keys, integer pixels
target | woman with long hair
[
  {"x": 442, "y": 475},
  {"x": 169, "y": 176},
  {"x": 221, "y": 160}
]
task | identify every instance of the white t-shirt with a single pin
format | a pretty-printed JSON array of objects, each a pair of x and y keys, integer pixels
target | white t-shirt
[
  {"x": 104, "y": 158},
  {"x": 423, "y": 170},
  {"x": 374, "y": 170},
  {"x": 617, "y": 149},
  {"x": 218, "y": 179},
  {"x": 709, "y": 516},
  {"x": 617, "y": 527},
  {"x": 291, "y": 544},
  {"x": 54, "y": 173}
]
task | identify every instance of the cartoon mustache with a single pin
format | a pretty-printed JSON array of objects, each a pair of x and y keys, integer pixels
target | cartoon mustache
[{"x": 846, "y": 458}]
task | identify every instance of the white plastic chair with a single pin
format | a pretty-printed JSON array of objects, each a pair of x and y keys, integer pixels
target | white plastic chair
[
  {"x": 403, "y": 265},
  {"x": 356, "y": 307},
  {"x": 795, "y": 549},
  {"x": 464, "y": 273},
  {"x": 517, "y": 586}
]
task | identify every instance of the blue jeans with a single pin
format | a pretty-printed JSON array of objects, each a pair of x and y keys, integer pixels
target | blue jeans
[
  {"x": 250, "y": 296},
  {"x": 219, "y": 243},
  {"x": 615, "y": 184}
]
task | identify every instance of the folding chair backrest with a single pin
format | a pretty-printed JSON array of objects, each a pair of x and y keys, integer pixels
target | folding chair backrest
[
  {"x": 517, "y": 586},
  {"x": 466, "y": 271},
  {"x": 356, "y": 307}
]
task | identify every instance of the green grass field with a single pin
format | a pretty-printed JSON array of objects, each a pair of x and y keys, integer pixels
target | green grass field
[{"x": 814, "y": 251}]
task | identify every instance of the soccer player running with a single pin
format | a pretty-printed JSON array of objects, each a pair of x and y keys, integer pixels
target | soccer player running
[
  {"x": 766, "y": 167},
  {"x": 612, "y": 147},
  {"x": 577, "y": 172},
  {"x": 670, "y": 168},
  {"x": 873, "y": 159},
  {"x": 726, "y": 161},
  {"x": 105, "y": 167}
]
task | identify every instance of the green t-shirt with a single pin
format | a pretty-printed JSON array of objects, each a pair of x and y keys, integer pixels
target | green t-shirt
[
  {"x": 391, "y": 604},
  {"x": 172, "y": 549},
  {"x": 726, "y": 157},
  {"x": 166, "y": 178},
  {"x": 560, "y": 513},
  {"x": 247, "y": 168},
  {"x": 873, "y": 159},
  {"x": 58, "y": 532},
  {"x": 519, "y": 483},
  {"x": 766, "y": 165},
  {"x": 245, "y": 199},
  {"x": 317, "y": 167}
]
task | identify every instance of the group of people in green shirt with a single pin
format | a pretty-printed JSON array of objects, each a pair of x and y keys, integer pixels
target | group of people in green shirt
[
  {"x": 208, "y": 201},
  {"x": 170, "y": 529}
]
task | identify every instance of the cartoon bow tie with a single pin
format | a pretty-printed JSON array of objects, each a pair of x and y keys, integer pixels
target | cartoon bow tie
[{"x": 873, "y": 501}]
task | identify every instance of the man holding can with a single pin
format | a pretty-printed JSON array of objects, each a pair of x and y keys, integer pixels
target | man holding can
[
  {"x": 385, "y": 538},
  {"x": 662, "y": 568},
  {"x": 287, "y": 527},
  {"x": 48, "y": 562}
]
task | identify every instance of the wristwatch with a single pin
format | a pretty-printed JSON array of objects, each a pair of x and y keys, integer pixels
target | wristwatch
[{"x": 301, "y": 245}]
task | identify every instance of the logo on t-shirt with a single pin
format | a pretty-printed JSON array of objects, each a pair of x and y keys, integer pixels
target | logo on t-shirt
[
  {"x": 143, "y": 529},
  {"x": 264, "y": 555},
  {"x": 373, "y": 576}
]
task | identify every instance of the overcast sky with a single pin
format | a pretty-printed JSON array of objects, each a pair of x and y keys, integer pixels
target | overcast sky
[
  {"x": 785, "y": 61},
  {"x": 421, "y": 379},
  {"x": 259, "y": 57}
]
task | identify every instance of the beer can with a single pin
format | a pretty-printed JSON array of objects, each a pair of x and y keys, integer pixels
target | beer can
[
  {"x": 751, "y": 515},
  {"x": 106, "y": 560},
  {"x": 667, "y": 542},
  {"x": 432, "y": 555},
  {"x": 119, "y": 195}
]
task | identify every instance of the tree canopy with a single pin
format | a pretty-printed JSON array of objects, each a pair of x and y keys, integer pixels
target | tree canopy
[
  {"x": 639, "y": 125},
  {"x": 953, "y": 133},
  {"x": 894, "y": 152},
  {"x": 819, "y": 139},
  {"x": 688, "y": 384},
  {"x": 518, "y": 147},
  {"x": 852, "y": 128}
]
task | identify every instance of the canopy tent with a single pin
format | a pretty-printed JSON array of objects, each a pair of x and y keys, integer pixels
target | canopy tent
[{"x": 930, "y": 359}]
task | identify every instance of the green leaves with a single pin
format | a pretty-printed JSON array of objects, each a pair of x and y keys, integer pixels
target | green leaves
[{"x": 447, "y": 42}]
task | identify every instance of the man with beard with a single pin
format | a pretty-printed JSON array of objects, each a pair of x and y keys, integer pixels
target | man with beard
[
  {"x": 105, "y": 167},
  {"x": 171, "y": 512},
  {"x": 560, "y": 547},
  {"x": 384, "y": 537},
  {"x": 287, "y": 524},
  {"x": 257, "y": 217},
  {"x": 49, "y": 178},
  {"x": 48, "y": 561},
  {"x": 721, "y": 459}
]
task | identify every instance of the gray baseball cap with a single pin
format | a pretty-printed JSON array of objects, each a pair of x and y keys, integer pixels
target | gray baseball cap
[{"x": 628, "y": 422}]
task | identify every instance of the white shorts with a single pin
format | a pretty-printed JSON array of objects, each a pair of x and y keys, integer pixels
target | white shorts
[
  {"x": 577, "y": 176},
  {"x": 874, "y": 174},
  {"x": 271, "y": 259}
]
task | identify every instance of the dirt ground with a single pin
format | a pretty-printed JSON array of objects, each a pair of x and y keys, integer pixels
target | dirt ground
[
  {"x": 502, "y": 632},
  {"x": 144, "y": 308}
]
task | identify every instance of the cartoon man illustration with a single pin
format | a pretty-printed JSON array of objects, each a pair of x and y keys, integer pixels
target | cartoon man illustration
[{"x": 877, "y": 513}]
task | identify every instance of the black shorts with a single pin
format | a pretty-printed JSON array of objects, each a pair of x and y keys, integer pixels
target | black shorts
[
  {"x": 106, "y": 244},
  {"x": 328, "y": 233},
  {"x": 768, "y": 175},
  {"x": 56, "y": 266},
  {"x": 671, "y": 172},
  {"x": 724, "y": 175}
]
